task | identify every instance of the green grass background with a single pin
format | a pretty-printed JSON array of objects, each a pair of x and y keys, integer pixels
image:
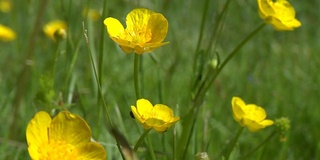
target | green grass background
[{"x": 276, "y": 70}]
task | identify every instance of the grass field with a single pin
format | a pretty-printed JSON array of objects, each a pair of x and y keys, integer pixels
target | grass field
[{"x": 275, "y": 69}]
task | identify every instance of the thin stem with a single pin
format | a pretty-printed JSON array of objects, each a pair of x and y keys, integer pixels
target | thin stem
[
  {"x": 198, "y": 56},
  {"x": 56, "y": 55},
  {"x": 136, "y": 75},
  {"x": 25, "y": 72},
  {"x": 205, "y": 87},
  {"x": 231, "y": 145},
  {"x": 99, "y": 85},
  {"x": 96, "y": 76},
  {"x": 153, "y": 157},
  {"x": 174, "y": 147},
  {"x": 204, "y": 15},
  {"x": 258, "y": 146},
  {"x": 145, "y": 133}
]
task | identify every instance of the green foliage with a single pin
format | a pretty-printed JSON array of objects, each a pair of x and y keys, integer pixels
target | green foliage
[{"x": 277, "y": 70}]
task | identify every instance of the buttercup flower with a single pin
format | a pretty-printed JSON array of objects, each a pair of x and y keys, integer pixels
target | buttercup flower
[
  {"x": 144, "y": 33},
  {"x": 280, "y": 14},
  {"x": 159, "y": 117},
  {"x": 6, "y": 34},
  {"x": 56, "y": 30},
  {"x": 249, "y": 115},
  {"x": 66, "y": 136}
]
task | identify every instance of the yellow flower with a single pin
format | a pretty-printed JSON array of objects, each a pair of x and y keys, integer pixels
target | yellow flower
[
  {"x": 280, "y": 14},
  {"x": 6, "y": 34},
  {"x": 159, "y": 117},
  {"x": 144, "y": 33},
  {"x": 5, "y": 6},
  {"x": 66, "y": 136},
  {"x": 249, "y": 115},
  {"x": 56, "y": 30}
]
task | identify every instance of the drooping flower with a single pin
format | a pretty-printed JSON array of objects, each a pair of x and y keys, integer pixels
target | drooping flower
[
  {"x": 6, "y": 34},
  {"x": 144, "y": 33},
  {"x": 280, "y": 14},
  {"x": 66, "y": 136},
  {"x": 159, "y": 117},
  {"x": 249, "y": 115},
  {"x": 56, "y": 30}
]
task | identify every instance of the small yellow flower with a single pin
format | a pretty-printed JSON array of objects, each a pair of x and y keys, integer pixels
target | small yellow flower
[
  {"x": 92, "y": 14},
  {"x": 249, "y": 115},
  {"x": 66, "y": 136},
  {"x": 5, "y": 6},
  {"x": 159, "y": 117},
  {"x": 56, "y": 30},
  {"x": 6, "y": 33},
  {"x": 144, "y": 33},
  {"x": 280, "y": 14}
]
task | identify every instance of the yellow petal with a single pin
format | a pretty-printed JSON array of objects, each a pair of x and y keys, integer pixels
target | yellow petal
[
  {"x": 265, "y": 8},
  {"x": 163, "y": 112},
  {"x": 252, "y": 126},
  {"x": 237, "y": 105},
  {"x": 158, "y": 25},
  {"x": 69, "y": 128},
  {"x": 91, "y": 151},
  {"x": 144, "y": 108},
  {"x": 36, "y": 132},
  {"x": 149, "y": 47},
  {"x": 254, "y": 112},
  {"x": 154, "y": 122},
  {"x": 136, "y": 115},
  {"x": 267, "y": 122},
  {"x": 114, "y": 27}
]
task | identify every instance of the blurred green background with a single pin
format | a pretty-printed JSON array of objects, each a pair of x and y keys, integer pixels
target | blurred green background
[{"x": 276, "y": 70}]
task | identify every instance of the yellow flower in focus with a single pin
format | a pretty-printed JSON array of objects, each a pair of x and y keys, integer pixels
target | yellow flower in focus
[
  {"x": 66, "y": 136},
  {"x": 249, "y": 115},
  {"x": 159, "y": 117},
  {"x": 5, "y": 6},
  {"x": 144, "y": 33},
  {"x": 56, "y": 30},
  {"x": 280, "y": 14},
  {"x": 6, "y": 33}
]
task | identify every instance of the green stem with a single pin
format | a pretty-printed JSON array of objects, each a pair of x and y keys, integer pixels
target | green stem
[
  {"x": 99, "y": 87},
  {"x": 204, "y": 15},
  {"x": 205, "y": 86},
  {"x": 56, "y": 55},
  {"x": 24, "y": 75},
  {"x": 258, "y": 146},
  {"x": 145, "y": 133},
  {"x": 136, "y": 75},
  {"x": 233, "y": 143},
  {"x": 153, "y": 156}
]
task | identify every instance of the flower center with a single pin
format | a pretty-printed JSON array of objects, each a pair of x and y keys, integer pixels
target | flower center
[{"x": 57, "y": 150}]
